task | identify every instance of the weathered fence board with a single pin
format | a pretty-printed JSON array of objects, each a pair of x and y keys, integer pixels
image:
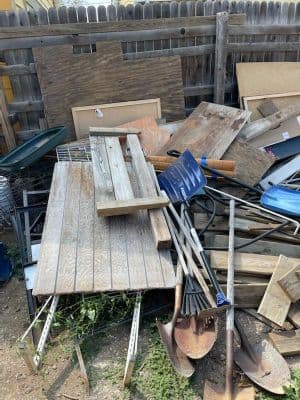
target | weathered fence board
[{"x": 271, "y": 33}]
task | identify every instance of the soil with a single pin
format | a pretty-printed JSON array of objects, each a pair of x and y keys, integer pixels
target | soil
[{"x": 104, "y": 353}]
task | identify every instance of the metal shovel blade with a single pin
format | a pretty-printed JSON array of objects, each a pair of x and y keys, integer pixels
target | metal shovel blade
[
  {"x": 195, "y": 336},
  {"x": 182, "y": 179},
  {"x": 216, "y": 392},
  {"x": 178, "y": 359},
  {"x": 269, "y": 370}
]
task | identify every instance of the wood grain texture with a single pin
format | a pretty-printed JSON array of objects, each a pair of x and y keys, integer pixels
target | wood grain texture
[
  {"x": 294, "y": 314},
  {"x": 290, "y": 283},
  {"x": 276, "y": 303},
  {"x": 208, "y": 131},
  {"x": 82, "y": 252},
  {"x": 287, "y": 343},
  {"x": 251, "y": 164},
  {"x": 253, "y": 264},
  {"x": 159, "y": 225},
  {"x": 152, "y": 136},
  {"x": 104, "y": 77},
  {"x": 122, "y": 207}
]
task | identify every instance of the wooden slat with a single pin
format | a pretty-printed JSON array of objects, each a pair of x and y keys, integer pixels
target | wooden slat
[
  {"x": 287, "y": 343},
  {"x": 118, "y": 171},
  {"x": 68, "y": 246},
  {"x": 159, "y": 226},
  {"x": 50, "y": 245},
  {"x": 84, "y": 273},
  {"x": 115, "y": 26},
  {"x": 208, "y": 131},
  {"x": 220, "y": 56},
  {"x": 253, "y": 264},
  {"x": 122, "y": 207},
  {"x": 106, "y": 131},
  {"x": 290, "y": 283},
  {"x": 5, "y": 124},
  {"x": 276, "y": 303},
  {"x": 294, "y": 314},
  {"x": 260, "y": 247}
]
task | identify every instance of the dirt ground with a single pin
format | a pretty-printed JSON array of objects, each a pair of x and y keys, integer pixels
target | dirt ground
[{"x": 105, "y": 356}]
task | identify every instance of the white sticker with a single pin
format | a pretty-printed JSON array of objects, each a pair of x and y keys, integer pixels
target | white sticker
[
  {"x": 298, "y": 119},
  {"x": 99, "y": 113},
  {"x": 285, "y": 135}
]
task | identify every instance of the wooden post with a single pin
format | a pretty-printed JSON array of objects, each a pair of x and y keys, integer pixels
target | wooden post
[
  {"x": 220, "y": 56},
  {"x": 7, "y": 129}
]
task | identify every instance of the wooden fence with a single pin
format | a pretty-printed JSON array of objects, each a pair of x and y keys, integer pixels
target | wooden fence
[{"x": 271, "y": 33}]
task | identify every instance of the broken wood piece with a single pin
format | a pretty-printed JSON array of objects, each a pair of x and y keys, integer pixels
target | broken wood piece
[
  {"x": 267, "y": 108},
  {"x": 152, "y": 137},
  {"x": 106, "y": 131},
  {"x": 246, "y": 263},
  {"x": 159, "y": 225},
  {"x": 276, "y": 303},
  {"x": 130, "y": 206},
  {"x": 290, "y": 283},
  {"x": 83, "y": 372},
  {"x": 294, "y": 314},
  {"x": 208, "y": 131},
  {"x": 287, "y": 343}
]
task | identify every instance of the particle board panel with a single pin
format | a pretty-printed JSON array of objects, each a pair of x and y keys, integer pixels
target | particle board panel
[
  {"x": 287, "y": 343},
  {"x": 89, "y": 254},
  {"x": 209, "y": 130},
  {"x": 251, "y": 163},
  {"x": 276, "y": 303},
  {"x": 256, "y": 79},
  {"x": 104, "y": 77},
  {"x": 113, "y": 114}
]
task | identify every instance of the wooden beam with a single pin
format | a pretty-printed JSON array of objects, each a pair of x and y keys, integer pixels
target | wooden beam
[
  {"x": 276, "y": 303},
  {"x": 253, "y": 264},
  {"x": 290, "y": 283},
  {"x": 178, "y": 51},
  {"x": 105, "y": 131},
  {"x": 220, "y": 56},
  {"x": 159, "y": 225},
  {"x": 7, "y": 129},
  {"x": 287, "y": 343},
  {"x": 17, "y": 69},
  {"x": 113, "y": 26},
  {"x": 123, "y": 207},
  {"x": 247, "y": 295},
  {"x": 294, "y": 314}
]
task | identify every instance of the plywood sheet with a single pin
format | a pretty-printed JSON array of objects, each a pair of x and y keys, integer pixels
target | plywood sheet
[
  {"x": 255, "y": 79},
  {"x": 81, "y": 252},
  {"x": 113, "y": 114},
  {"x": 152, "y": 136},
  {"x": 209, "y": 130},
  {"x": 69, "y": 80}
]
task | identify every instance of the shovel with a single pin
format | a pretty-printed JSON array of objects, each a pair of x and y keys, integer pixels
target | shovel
[
  {"x": 262, "y": 363},
  {"x": 178, "y": 359},
  {"x": 211, "y": 391},
  {"x": 196, "y": 335}
]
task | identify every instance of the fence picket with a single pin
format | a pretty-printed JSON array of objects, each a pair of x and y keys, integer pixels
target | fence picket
[{"x": 53, "y": 15}]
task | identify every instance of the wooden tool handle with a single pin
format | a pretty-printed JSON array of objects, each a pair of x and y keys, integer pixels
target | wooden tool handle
[
  {"x": 161, "y": 166},
  {"x": 224, "y": 165}
]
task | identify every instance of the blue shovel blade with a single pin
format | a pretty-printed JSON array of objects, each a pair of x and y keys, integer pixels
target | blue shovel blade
[
  {"x": 182, "y": 179},
  {"x": 282, "y": 200}
]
